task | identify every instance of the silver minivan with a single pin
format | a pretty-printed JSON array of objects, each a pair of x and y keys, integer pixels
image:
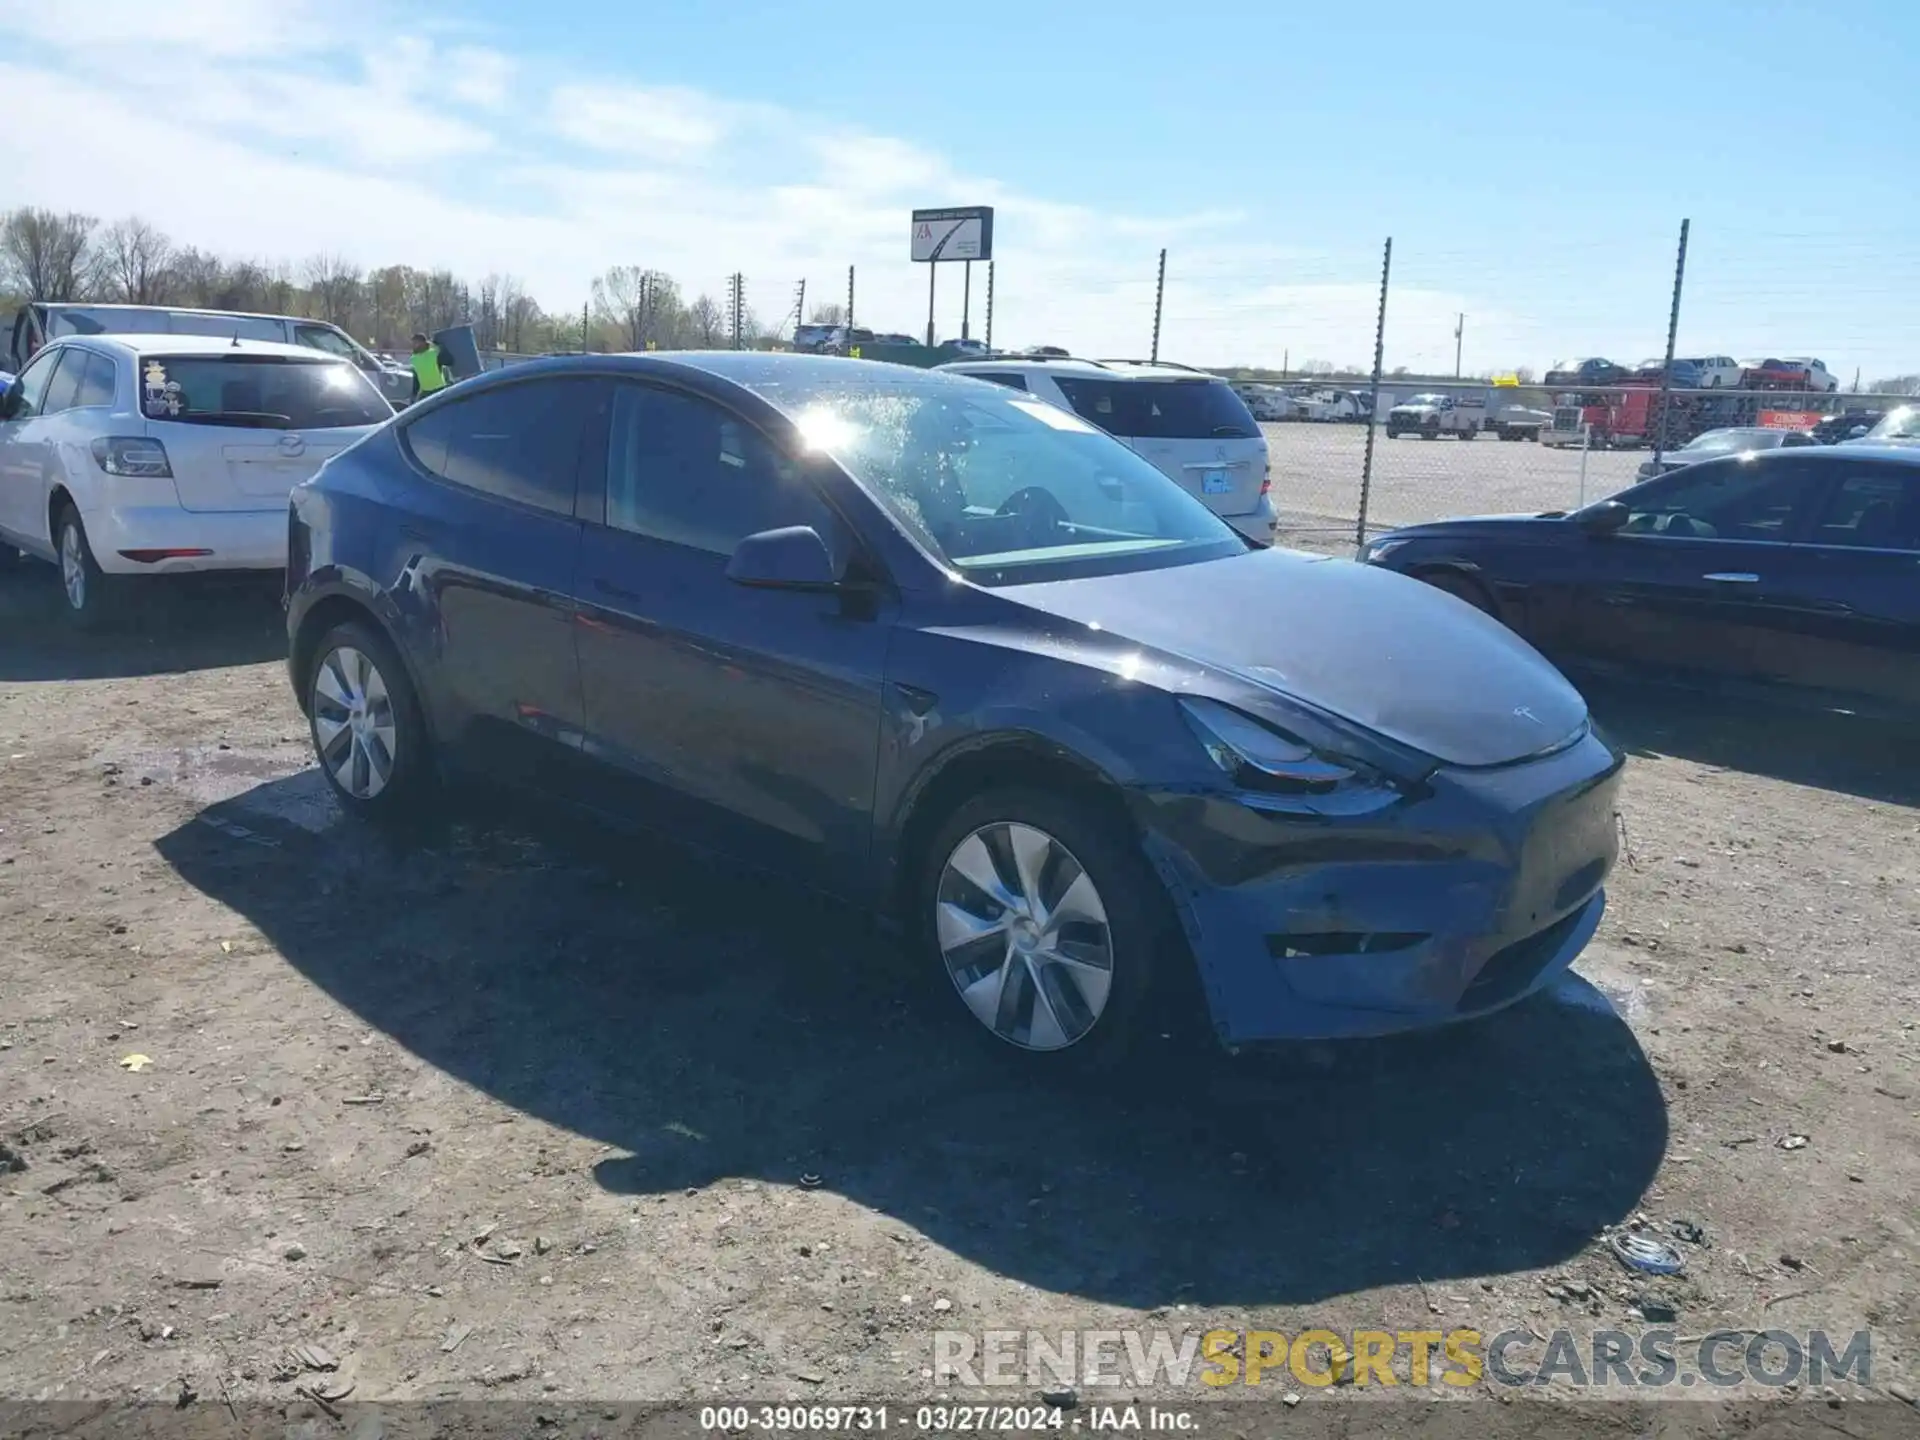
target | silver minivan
[{"x": 42, "y": 321}]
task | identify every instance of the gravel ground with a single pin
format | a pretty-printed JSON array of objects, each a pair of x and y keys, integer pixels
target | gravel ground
[
  {"x": 523, "y": 1109},
  {"x": 1316, "y": 477}
]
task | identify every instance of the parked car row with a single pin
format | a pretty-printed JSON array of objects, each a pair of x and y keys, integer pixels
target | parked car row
[{"x": 1705, "y": 372}]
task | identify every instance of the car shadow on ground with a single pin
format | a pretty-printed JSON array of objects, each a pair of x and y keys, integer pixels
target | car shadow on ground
[
  {"x": 171, "y": 626},
  {"x": 1874, "y": 759},
  {"x": 711, "y": 1023}
]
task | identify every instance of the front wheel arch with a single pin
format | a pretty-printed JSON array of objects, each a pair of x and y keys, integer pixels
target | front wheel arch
[{"x": 1463, "y": 584}]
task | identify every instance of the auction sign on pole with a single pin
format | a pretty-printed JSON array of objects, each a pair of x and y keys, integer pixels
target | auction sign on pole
[{"x": 960, "y": 233}]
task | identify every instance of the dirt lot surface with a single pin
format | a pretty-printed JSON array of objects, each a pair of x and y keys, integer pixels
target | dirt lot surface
[
  {"x": 1316, "y": 477},
  {"x": 525, "y": 1110}
]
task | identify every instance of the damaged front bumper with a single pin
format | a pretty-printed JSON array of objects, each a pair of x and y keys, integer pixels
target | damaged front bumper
[{"x": 1464, "y": 898}]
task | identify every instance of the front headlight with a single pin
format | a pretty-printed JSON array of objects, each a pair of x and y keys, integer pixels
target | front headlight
[
  {"x": 1258, "y": 756},
  {"x": 1374, "y": 551}
]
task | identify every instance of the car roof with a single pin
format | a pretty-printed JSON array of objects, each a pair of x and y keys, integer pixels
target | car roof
[
  {"x": 1075, "y": 365},
  {"x": 1835, "y": 454},
  {"x": 139, "y": 345}
]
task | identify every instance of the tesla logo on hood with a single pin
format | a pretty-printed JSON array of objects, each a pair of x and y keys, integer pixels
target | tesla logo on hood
[
  {"x": 292, "y": 445},
  {"x": 1525, "y": 714}
]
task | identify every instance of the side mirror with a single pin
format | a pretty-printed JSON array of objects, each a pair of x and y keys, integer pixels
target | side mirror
[
  {"x": 1857, "y": 432},
  {"x": 1604, "y": 517},
  {"x": 10, "y": 399},
  {"x": 793, "y": 558}
]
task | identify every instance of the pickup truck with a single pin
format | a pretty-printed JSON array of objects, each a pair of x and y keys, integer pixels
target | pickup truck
[{"x": 1433, "y": 415}]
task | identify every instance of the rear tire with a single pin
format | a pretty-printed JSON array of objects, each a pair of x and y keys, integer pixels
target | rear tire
[
  {"x": 368, "y": 734},
  {"x": 1041, "y": 928},
  {"x": 94, "y": 598}
]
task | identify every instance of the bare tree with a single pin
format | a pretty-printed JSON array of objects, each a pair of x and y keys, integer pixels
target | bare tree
[
  {"x": 1897, "y": 385},
  {"x": 834, "y": 314},
  {"x": 644, "y": 305},
  {"x": 1523, "y": 373},
  {"x": 46, "y": 256},
  {"x": 135, "y": 262},
  {"x": 706, "y": 322},
  {"x": 335, "y": 285}
]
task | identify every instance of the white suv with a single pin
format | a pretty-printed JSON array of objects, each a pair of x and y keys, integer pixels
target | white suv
[
  {"x": 154, "y": 454},
  {"x": 1189, "y": 424}
]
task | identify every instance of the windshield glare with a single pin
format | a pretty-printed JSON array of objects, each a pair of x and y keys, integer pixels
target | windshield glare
[
  {"x": 1901, "y": 424},
  {"x": 999, "y": 485}
]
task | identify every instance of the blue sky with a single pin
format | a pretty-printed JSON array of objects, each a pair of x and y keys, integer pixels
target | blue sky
[{"x": 1531, "y": 162}]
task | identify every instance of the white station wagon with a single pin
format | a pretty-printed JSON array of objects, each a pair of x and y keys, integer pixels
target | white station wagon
[{"x": 144, "y": 455}]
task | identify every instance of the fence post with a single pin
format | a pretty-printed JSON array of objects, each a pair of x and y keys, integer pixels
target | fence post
[
  {"x": 1373, "y": 410},
  {"x": 849, "y": 300},
  {"x": 990, "y": 307},
  {"x": 1673, "y": 327},
  {"x": 1159, "y": 294}
]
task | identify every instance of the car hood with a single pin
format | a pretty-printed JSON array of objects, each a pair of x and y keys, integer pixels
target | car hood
[{"x": 1381, "y": 650}]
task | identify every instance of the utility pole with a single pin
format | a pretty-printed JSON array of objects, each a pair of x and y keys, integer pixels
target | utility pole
[
  {"x": 736, "y": 303},
  {"x": 1159, "y": 294},
  {"x": 583, "y": 327},
  {"x": 800, "y": 306},
  {"x": 1459, "y": 329}
]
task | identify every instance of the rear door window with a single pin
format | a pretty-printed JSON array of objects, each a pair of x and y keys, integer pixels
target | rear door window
[
  {"x": 262, "y": 392},
  {"x": 1873, "y": 507},
  {"x": 320, "y": 337},
  {"x": 1011, "y": 379},
  {"x": 65, "y": 388},
  {"x": 96, "y": 382},
  {"x": 513, "y": 442}
]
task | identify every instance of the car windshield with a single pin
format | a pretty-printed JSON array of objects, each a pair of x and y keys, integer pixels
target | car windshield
[
  {"x": 1425, "y": 400},
  {"x": 265, "y": 392},
  {"x": 1900, "y": 424},
  {"x": 1002, "y": 487}
]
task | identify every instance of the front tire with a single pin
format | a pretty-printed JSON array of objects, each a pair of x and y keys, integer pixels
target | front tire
[
  {"x": 94, "y": 598},
  {"x": 1043, "y": 925},
  {"x": 364, "y": 718}
]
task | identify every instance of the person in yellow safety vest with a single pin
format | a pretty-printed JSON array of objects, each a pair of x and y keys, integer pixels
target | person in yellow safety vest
[{"x": 430, "y": 369}]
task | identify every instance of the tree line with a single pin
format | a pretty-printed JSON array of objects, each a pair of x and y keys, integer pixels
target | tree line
[{"x": 45, "y": 255}]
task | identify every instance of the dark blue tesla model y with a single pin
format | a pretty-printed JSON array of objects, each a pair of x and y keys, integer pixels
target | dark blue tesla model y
[{"x": 938, "y": 647}]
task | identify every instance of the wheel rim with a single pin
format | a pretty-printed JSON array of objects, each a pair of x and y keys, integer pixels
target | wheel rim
[
  {"x": 353, "y": 723},
  {"x": 1024, "y": 935},
  {"x": 73, "y": 568}
]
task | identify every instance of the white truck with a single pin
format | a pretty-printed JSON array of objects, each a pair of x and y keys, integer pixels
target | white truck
[{"x": 1432, "y": 414}]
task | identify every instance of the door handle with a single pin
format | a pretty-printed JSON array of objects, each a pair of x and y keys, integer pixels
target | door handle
[
  {"x": 607, "y": 587},
  {"x": 1733, "y": 577}
]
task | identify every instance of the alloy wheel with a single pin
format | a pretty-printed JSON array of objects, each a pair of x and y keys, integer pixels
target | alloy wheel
[
  {"x": 354, "y": 728},
  {"x": 1024, "y": 935},
  {"x": 73, "y": 567}
]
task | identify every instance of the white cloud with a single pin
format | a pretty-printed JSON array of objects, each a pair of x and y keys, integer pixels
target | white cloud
[
  {"x": 478, "y": 76},
  {"x": 666, "y": 123}
]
